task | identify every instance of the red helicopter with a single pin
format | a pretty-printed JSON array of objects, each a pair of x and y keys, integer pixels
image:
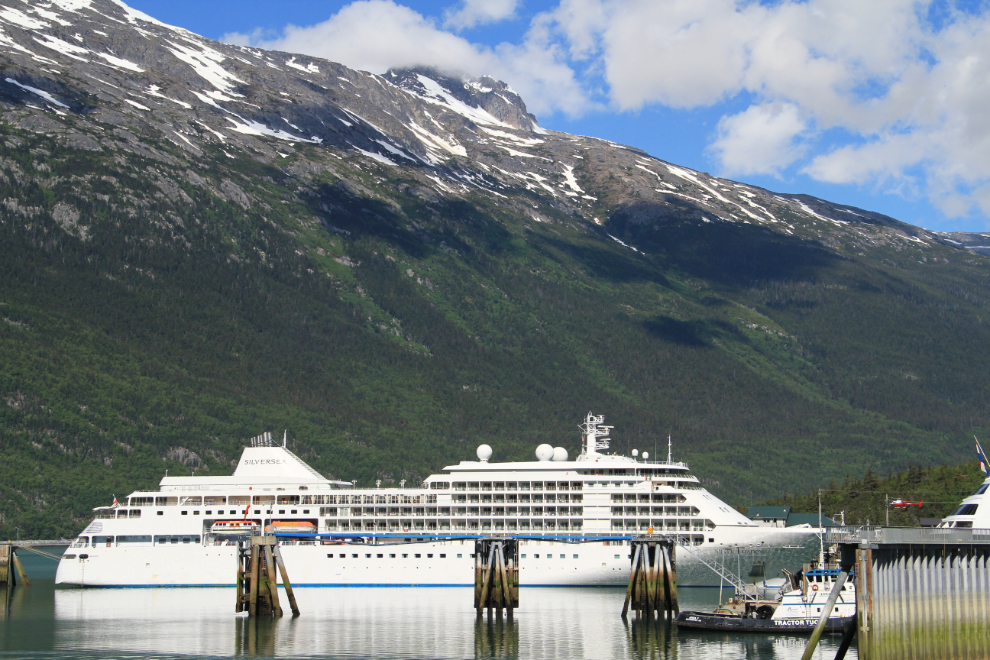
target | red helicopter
[{"x": 901, "y": 504}]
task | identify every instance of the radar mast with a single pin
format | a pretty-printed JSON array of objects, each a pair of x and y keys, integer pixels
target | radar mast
[{"x": 595, "y": 433}]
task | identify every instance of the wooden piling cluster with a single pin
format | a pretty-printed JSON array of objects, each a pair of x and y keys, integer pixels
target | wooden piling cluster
[
  {"x": 6, "y": 575},
  {"x": 257, "y": 585},
  {"x": 652, "y": 589},
  {"x": 496, "y": 575}
]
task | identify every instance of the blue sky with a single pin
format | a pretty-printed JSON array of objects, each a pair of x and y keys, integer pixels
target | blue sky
[{"x": 880, "y": 104}]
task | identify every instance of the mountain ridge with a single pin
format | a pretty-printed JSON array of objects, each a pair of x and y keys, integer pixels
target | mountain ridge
[{"x": 206, "y": 241}]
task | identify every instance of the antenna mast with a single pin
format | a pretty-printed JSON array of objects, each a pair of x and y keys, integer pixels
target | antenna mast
[
  {"x": 669, "y": 445},
  {"x": 595, "y": 433}
]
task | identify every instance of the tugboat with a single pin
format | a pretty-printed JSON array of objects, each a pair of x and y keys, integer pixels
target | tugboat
[{"x": 797, "y": 609}]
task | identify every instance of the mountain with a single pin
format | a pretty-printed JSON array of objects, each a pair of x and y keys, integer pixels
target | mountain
[{"x": 202, "y": 242}]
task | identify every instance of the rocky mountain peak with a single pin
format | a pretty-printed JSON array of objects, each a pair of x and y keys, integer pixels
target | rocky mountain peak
[{"x": 485, "y": 93}]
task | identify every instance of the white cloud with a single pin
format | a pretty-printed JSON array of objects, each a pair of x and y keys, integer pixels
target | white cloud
[
  {"x": 761, "y": 139},
  {"x": 846, "y": 91},
  {"x": 472, "y": 13},
  {"x": 375, "y": 35}
]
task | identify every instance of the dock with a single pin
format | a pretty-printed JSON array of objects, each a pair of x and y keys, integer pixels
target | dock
[{"x": 921, "y": 592}]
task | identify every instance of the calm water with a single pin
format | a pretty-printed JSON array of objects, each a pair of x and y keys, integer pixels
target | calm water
[{"x": 45, "y": 622}]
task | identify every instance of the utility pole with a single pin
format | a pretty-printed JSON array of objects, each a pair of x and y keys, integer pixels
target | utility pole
[{"x": 886, "y": 502}]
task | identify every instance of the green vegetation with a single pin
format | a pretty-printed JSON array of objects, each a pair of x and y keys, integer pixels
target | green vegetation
[
  {"x": 390, "y": 332},
  {"x": 940, "y": 488}
]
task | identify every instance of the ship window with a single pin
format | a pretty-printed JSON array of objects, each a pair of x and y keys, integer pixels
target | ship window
[
  {"x": 536, "y": 556},
  {"x": 367, "y": 556},
  {"x": 473, "y": 485},
  {"x": 617, "y": 556},
  {"x": 133, "y": 539},
  {"x": 195, "y": 513},
  {"x": 429, "y": 556},
  {"x": 161, "y": 513},
  {"x": 523, "y": 555},
  {"x": 443, "y": 556},
  {"x": 523, "y": 485},
  {"x": 330, "y": 556},
  {"x": 185, "y": 513},
  {"x": 380, "y": 556},
  {"x": 209, "y": 513},
  {"x": 982, "y": 489},
  {"x": 419, "y": 556},
  {"x": 391, "y": 556},
  {"x": 459, "y": 555},
  {"x": 68, "y": 556},
  {"x": 966, "y": 510},
  {"x": 354, "y": 556}
]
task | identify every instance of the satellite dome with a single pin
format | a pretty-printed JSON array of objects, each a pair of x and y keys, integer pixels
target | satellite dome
[
  {"x": 544, "y": 453},
  {"x": 635, "y": 453},
  {"x": 646, "y": 455},
  {"x": 484, "y": 453},
  {"x": 559, "y": 454}
]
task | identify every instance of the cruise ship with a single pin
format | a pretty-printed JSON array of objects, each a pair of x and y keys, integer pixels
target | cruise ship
[{"x": 184, "y": 533}]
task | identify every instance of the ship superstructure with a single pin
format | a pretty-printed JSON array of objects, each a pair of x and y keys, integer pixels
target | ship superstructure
[{"x": 184, "y": 533}]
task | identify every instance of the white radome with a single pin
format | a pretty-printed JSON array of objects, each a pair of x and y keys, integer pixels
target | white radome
[
  {"x": 484, "y": 453},
  {"x": 559, "y": 454},
  {"x": 544, "y": 453}
]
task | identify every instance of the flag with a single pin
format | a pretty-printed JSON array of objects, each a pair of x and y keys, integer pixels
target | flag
[
  {"x": 982, "y": 458},
  {"x": 115, "y": 502}
]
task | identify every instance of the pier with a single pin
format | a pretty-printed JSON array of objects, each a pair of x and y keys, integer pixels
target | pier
[{"x": 920, "y": 592}]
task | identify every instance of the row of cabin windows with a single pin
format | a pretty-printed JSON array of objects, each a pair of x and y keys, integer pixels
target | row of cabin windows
[
  {"x": 234, "y": 512},
  {"x": 485, "y": 511},
  {"x": 110, "y": 541},
  {"x": 655, "y": 510},
  {"x": 394, "y": 525},
  {"x": 271, "y": 500},
  {"x": 647, "y": 498},
  {"x": 517, "y": 497},
  {"x": 661, "y": 524},
  {"x": 389, "y": 498},
  {"x": 518, "y": 485}
]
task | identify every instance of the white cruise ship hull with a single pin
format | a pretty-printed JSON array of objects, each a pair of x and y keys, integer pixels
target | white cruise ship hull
[{"x": 439, "y": 563}]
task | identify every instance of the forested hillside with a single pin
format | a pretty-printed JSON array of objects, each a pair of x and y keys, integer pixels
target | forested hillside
[
  {"x": 203, "y": 242},
  {"x": 939, "y": 490}
]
